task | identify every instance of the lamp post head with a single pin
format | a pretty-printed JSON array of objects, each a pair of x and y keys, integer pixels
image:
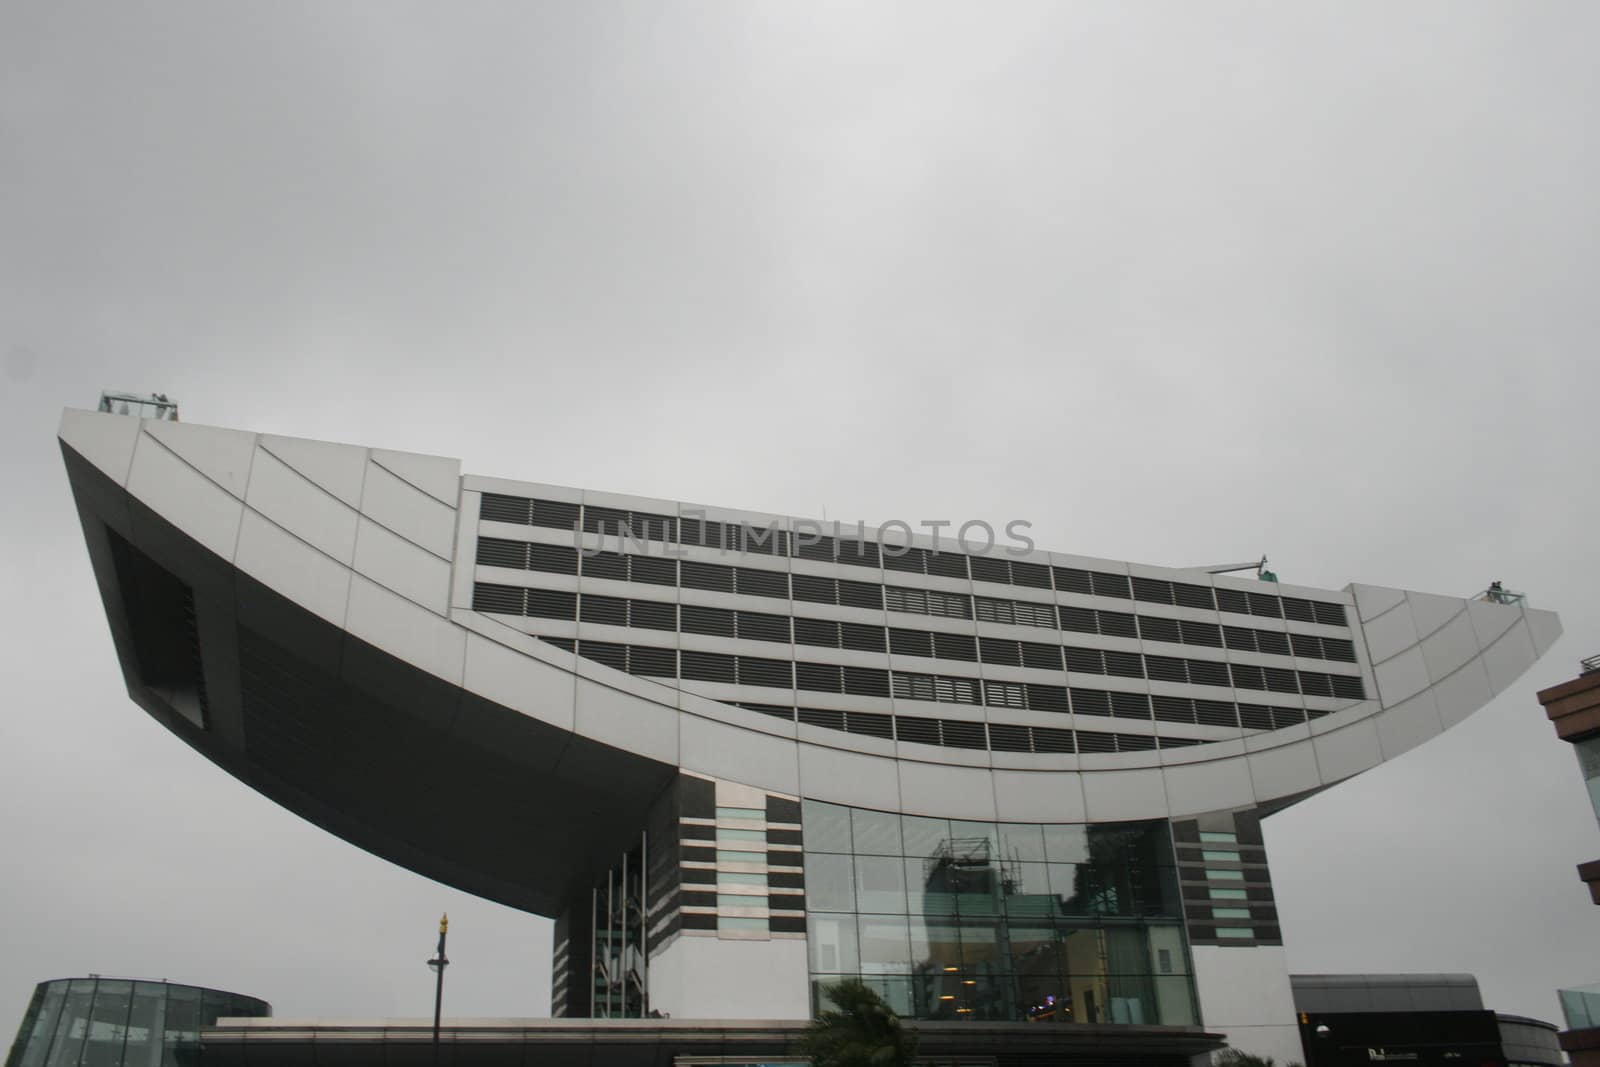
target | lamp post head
[{"x": 444, "y": 923}]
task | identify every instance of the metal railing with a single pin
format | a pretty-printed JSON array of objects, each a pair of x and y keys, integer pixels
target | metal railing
[
  {"x": 1499, "y": 594},
  {"x": 154, "y": 406},
  {"x": 1589, "y": 666}
]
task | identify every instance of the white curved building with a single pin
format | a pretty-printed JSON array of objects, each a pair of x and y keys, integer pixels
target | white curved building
[{"x": 738, "y": 755}]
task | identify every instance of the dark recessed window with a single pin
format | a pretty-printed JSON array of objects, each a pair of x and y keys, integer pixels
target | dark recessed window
[{"x": 719, "y": 622}]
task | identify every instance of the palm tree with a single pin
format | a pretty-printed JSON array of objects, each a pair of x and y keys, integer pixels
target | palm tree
[
  {"x": 859, "y": 1031},
  {"x": 1232, "y": 1057}
]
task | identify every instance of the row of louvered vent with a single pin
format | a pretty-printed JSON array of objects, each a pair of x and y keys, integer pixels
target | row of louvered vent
[
  {"x": 958, "y": 733},
  {"x": 862, "y": 637},
  {"x": 753, "y": 581},
  {"x": 654, "y": 662},
  {"x": 734, "y": 537}
]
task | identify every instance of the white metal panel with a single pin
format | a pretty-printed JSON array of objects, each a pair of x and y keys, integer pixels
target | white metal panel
[
  {"x": 520, "y": 682},
  {"x": 1347, "y": 752},
  {"x": 849, "y": 778},
  {"x": 1450, "y": 646},
  {"x": 399, "y": 565},
  {"x": 401, "y": 628},
  {"x": 1201, "y": 787},
  {"x": 437, "y": 476},
  {"x": 302, "y": 508},
  {"x": 184, "y": 497},
  {"x": 1245, "y": 994},
  {"x": 1038, "y": 796},
  {"x": 1125, "y": 794},
  {"x": 626, "y": 721},
  {"x": 1407, "y": 725},
  {"x": 1375, "y": 600},
  {"x": 106, "y": 441},
  {"x": 221, "y": 455},
  {"x": 287, "y": 565},
  {"x": 409, "y": 512},
  {"x": 738, "y": 755},
  {"x": 952, "y": 792},
  {"x": 340, "y": 469},
  {"x": 1402, "y": 676},
  {"x": 1509, "y": 656}
]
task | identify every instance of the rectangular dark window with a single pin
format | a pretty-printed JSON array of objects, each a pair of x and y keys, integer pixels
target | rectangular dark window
[
  {"x": 819, "y": 677},
  {"x": 1247, "y": 677},
  {"x": 754, "y": 582},
  {"x": 869, "y": 723},
  {"x": 652, "y": 615},
  {"x": 816, "y": 590},
  {"x": 1003, "y": 738},
  {"x": 955, "y": 646},
  {"x": 921, "y": 731},
  {"x": 861, "y": 637},
  {"x": 911, "y": 561},
  {"x": 1207, "y": 672},
  {"x": 1255, "y": 717},
  {"x": 1085, "y": 660},
  {"x": 819, "y": 549},
  {"x": 1347, "y": 687},
  {"x": 1032, "y": 575},
  {"x": 910, "y": 642},
  {"x": 607, "y": 610},
  {"x": 1046, "y": 697},
  {"x": 1215, "y": 713},
  {"x": 760, "y": 626},
  {"x": 552, "y": 604},
  {"x": 1116, "y": 624},
  {"x": 860, "y": 594},
  {"x": 1130, "y": 705},
  {"x": 711, "y": 576},
  {"x": 1193, "y": 596},
  {"x": 553, "y": 559},
  {"x": 818, "y": 632},
  {"x": 866, "y": 682},
  {"x": 959, "y": 734},
  {"x": 1166, "y": 668},
  {"x": 1078, "y": 620},
  {"x": 1091, "y": 702},
  {"x": 1124, "y": 664},
  {"x": 1314, "y": 683},
  {"x": 1093, "y": 741},
  {"x": 1070, "y": 580},
  {"x": 1239, "y": 638},
  {"x": 1156, "y": 629},
  {"x": 947, "y": 564},
  {"x": 652, "y": 662},
  {"x": 1051, "y": 739},
  {"x": 1111, "y": 585},
  {"x": 1135, "y": 742},
  {"x": 554, "y": 514},
  {"x": 1172, "y": 709},
  {"x": 1339, "y": 649},
  {"x": 1040, "y": 656},
  {"x": 995, "y": 650},
  {"x": 611, "y": 565},
  {"x": 1201, "y": 633},
  {"x": 498, "y": 552},
  {"x": 773, "y": 673},
  {"x": 718, "y": 622},
  {"x": 498, "y": 599},
  {"x": 653, "y": 570},
  {"x": 603, "y": 652},
  {"x": 1152, "y": 590},
  {"x": 1306, "y": 646},
  {"x": 1329, "y": 614},
  {"x": 707, "y": 667},
  {"x": 1232, "y": 600},
  {"x": 1280, "y": 680},
  {"x": 857, "y": 553},
  {"x": 826, "y": 718},
  {"x": 985, "y": 569},
  {"x": 1298, "y": 610},
  {"x": 497, "y": 507},
  {"x": 1272, "y": 642},
  {"x": 1282, "y": 717},
  {"x": 1266, "y": 605}
]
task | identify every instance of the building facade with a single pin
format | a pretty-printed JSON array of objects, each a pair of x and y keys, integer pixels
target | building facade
[
  {"x": 122, "y": 1022},
  {"x": 1573, "y": 708},
  {"x": 740, "y": 755}
]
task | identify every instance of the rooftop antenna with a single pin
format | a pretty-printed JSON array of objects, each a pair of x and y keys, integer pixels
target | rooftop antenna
[{"x": 1259, "y": 566}]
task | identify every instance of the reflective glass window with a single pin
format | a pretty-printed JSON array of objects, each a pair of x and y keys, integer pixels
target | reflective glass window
[
  {"x": 880, "y": 884},
  {"x": 108, "y": 1024},
  {"x": 1021, "y": 842},
  {"x": 829, "y": 883},
  {"x": 44, "y": 1015},
  {"x": 875, "y": 833},
  {"x": 923, "y": 836},
  {"x": 885, "y": 944},
  {"x": 831, "y": 942},
  {"x": 826, "y": 827}
]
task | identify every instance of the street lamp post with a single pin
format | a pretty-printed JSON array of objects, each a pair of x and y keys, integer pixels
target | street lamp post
[{"x": 437, "y": 965}]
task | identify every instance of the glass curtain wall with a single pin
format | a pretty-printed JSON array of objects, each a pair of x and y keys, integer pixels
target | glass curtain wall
[
  {"x": 118, "y": 1022},
  {"x": 1050, "y": 923}
]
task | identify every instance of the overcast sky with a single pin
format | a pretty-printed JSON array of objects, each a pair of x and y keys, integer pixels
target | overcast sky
[{"x": 1178, "y": 283}]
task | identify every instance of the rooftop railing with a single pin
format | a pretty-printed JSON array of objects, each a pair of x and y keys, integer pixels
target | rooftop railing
[
  {"x": 1499, "y": 594},
  {"x": 1590, "y": 665},
  {"x": 154, "y": 406}
]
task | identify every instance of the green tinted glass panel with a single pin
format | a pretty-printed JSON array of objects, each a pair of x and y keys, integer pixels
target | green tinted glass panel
[
  {"x": 755, "y": 814},
  {"x": 1220, "y": 837}
]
